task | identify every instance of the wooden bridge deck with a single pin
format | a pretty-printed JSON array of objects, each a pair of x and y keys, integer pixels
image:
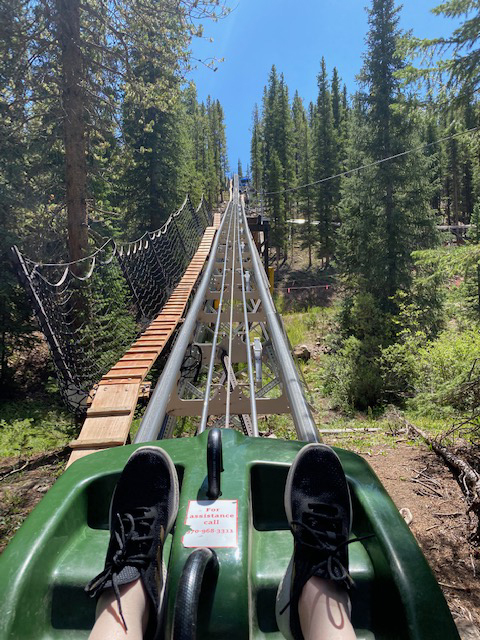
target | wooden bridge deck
[{"x": 110, "y": 415}]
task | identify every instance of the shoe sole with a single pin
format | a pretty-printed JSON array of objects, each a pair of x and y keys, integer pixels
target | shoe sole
[
  {"x": 284, "y": 589},
  {"x": 170, "y": 522},
  {"x": 287, "y": 501}
]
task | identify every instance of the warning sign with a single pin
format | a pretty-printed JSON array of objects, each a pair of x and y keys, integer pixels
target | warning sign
[{"x": 213, "y": 523}]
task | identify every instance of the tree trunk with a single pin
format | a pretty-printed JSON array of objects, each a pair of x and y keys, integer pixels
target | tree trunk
[
  {"x": 309, "y": 219},
  {"x": 456, "y": 216},
  {"x": 391, "y": 237},
  {"x": 68, "y": 29}
]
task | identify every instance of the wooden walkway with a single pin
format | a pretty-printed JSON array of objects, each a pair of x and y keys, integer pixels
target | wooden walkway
[{"x": 110, "y": 415}]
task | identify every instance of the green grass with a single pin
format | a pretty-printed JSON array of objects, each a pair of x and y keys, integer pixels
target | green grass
[
  {"x": 309, "y": 325},
  {"x": 33, "y": 426}
]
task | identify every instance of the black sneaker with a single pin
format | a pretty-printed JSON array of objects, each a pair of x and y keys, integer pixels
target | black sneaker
[
  {"x": 142, "y": 512},
  {"x": 319, "y": 511}
]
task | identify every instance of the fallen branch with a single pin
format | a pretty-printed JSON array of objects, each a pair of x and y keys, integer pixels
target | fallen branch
[
  {"x": 453, "y": 586},
  {"x": 39, "y": 461},
  {"x": 427, "y": 486},
  {"x": 17, "y": 470},
  {"x": 351, "y": 430}
]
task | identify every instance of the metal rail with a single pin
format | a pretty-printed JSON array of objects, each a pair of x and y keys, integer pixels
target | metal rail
[
  {"x": 155, "y": 413},
  {"x": 206, "y": 401},
  {"x": 251, "y": 382},
  {"x": 301, "y": 414}
]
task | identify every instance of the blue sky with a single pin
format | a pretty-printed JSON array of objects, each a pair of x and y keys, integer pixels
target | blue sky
[{"x": 293, "y": 35}]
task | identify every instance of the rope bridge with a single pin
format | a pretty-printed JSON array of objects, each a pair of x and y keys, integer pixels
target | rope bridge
[{"x": 92, "y": 310}]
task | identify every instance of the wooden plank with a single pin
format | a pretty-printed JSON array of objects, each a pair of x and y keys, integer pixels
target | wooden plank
[
  {"x": 80, "y": 453},
  {"x": 129, "y": 374},
  {"x": 156, "y": 332},
  {"x": 107, "y": 427},
  {"x": 121, "y": 366},
  {"x": 135, "y": 358},
  {"x": 122, "y": 396},
  {"x": 141, "y": 351},
  {"x": 130, "y": 381}
]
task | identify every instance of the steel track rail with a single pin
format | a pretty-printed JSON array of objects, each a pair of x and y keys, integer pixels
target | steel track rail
[
  {"x": 206, "y": 400},
  {"x": 251, "y": 381},
  {"x": 154, "y": 416},
  {"x": 301, "y": 414}
]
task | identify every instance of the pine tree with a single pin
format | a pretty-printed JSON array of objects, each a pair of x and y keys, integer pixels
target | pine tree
[
  {"x": 284, "y": 142},
  {"x": 385, "y": 209},
  {"x": 256, "y": 151},
  {"x": 153, "y": 174},
  {"x": 303, "y": 173},
  {"x": 15, "y": 179},
  {"x": 85, "y": 58},
  {"x": 326, "y": 164},
  {"x": 336, "y": 100},
  {"x": 340, "y": 115},
  {"x": 220, "y": 142},
  {"x": 207, "y": 155},
  {"x": 277, "y": 139},
  {"x": 460, "y": 72},
  {"x": 217, "y": 142},
  {"x": 277, "y": 203},
  {"x": 192, "y": 143}
]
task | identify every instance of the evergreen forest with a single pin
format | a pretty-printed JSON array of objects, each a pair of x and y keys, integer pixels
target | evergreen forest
[
  {"x": 372, "y": 195},
  {"x": 367, "y": 179},
  {"x": 101, "y": 135}
]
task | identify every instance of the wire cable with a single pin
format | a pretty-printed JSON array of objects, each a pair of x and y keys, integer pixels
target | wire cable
[{"x": 369, "y": 164}]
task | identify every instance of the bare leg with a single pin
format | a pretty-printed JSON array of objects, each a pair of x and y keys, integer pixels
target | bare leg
[
  {"x": 324, "y": 610},
  {"x": 109, "y": 625}
]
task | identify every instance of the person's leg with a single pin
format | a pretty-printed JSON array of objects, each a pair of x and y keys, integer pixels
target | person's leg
[
  {"x": 135, "y": 609},
  {"x": 324, "y": 611},
  {"x": 312, "y": 600},
  {"x": 142, "y": 513}
]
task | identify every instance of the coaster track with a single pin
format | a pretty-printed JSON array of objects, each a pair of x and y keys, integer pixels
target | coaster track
[{"x": 233, "y": 383}]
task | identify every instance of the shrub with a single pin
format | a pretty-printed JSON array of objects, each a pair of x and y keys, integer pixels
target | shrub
[
  {"x": 399, "y": 367},
  {"x": 352, "y": 375},
  {"x": 445, "y": 365}
]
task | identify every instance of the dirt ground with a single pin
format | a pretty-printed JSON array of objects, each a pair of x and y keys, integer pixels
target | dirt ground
[
  {"x": 414, "y": 477},
  {"x": 418, "y": 481},
  {"x": 21, "y": 491}
]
